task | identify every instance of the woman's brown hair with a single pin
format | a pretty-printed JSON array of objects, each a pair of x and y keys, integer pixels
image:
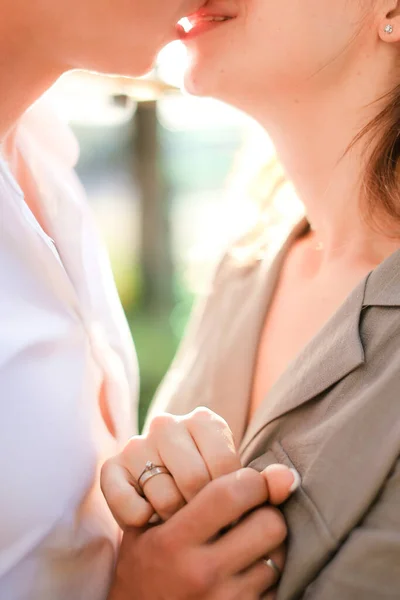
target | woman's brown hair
[{"x": 380, "y": 185}]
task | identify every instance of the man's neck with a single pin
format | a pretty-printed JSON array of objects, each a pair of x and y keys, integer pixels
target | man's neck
[{"x": 23, "y": 79}]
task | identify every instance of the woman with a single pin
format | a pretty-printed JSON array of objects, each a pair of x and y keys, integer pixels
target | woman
[
  {"x": 301, "y": 356},
  {"x": 67, "y": 366}
]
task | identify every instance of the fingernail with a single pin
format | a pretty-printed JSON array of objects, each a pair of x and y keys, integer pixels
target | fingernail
[{"x": 296, "y": 482}]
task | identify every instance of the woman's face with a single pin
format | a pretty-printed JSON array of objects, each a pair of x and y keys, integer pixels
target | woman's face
[{"x": 270, "y": 48}]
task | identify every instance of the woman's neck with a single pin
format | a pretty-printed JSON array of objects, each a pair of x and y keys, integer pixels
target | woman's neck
[
  {"x": 312, "y": 134},
  {"x": 313, "y": 150}
]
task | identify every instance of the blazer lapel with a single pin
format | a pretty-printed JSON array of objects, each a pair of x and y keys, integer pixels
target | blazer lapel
[
  {"x": 383, "y": 287},
  {"x": 244, "y": 306},
  {"x": 216, "y": 363},
  {"x": 331, "y": 355}
]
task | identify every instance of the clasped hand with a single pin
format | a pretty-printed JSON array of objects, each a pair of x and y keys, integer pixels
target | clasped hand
[{"x": 206, "y": 492}]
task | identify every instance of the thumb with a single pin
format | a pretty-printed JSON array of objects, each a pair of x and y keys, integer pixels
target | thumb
[{"x": 281, "y": 481}]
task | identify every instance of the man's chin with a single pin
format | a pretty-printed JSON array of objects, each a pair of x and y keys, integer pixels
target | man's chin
[{"x": 137, "y": 67}]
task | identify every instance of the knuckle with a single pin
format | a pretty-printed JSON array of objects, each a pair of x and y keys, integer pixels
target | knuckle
[
  {"x": 205, "y": 416},
  {"x": 202, "y": 414},
  {"x": 222, "y": 425},
  {"x": 161, "y": 422},
  {"x": 246, "y": 479},
  {"x": 224, "y": 491},
  {"x": 138, "y": 517},
  {"x": 250, "y": 476},
  {"x": 275, "y": 524},
  {"x": 137, "y": 521},
  {"x": 250, "y": 479},
  {"x": 134, "y": 445},
  {"x": 228, "y": 461},
  {"x": 238, "y": 490},
  {"x": 195, "y": 481}
]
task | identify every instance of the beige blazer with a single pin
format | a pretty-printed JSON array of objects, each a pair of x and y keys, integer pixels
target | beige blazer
[{"x": 334, "y": 415}]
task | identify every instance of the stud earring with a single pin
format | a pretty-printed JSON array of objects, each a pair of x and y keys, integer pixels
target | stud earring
[{"x": 388, "y": 29}]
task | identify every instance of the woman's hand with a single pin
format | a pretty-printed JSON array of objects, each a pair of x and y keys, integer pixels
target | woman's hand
[
  {"x": 211, "y": 547},
  {"x": 195, "y": 448},
  {"x": 186, "y": 558}
]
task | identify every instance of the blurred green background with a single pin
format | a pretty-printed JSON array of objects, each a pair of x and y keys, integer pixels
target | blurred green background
[{"x": 166, "y": 175}]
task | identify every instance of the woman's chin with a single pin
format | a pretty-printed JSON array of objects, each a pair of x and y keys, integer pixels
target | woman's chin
[
  {"x": 191, "y": 87},
  {"x": 197, "y": 83}
]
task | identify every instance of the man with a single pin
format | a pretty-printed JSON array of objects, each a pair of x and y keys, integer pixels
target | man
[{"x": 67, "y": 368}]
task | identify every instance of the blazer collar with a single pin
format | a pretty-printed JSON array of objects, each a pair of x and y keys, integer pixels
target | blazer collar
[
  {"x": 248, "y": 298},
  {"x": 333, "y": 353},
  {"x": 383, "y": 287}
]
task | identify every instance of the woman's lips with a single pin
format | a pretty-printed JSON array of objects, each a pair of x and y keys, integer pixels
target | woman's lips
[{"x": 199, "y": 23}]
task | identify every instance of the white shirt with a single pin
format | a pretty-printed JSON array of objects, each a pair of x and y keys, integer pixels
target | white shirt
[{"x": 62, "y": 333}]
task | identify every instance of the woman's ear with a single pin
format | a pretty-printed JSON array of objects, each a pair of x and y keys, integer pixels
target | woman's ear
[{"x": 389, "y": 25}]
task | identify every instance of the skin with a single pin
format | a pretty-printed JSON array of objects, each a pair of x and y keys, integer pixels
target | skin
[
  {"x": 43, "y": 39},
  {"x": 208, "y": 489},
  {"x": 309, "y": 71},
  {"x": 189, "y": 559},
  {"x": 312, "y": 73},
  {"x": 39, "y": 41},
  {"x": 196, "y": 449},
  {"x": 323, "y": 66}
]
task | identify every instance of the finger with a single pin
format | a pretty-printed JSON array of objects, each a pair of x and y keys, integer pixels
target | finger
[
  {"x": 220, "y": 503},
  {"x": 248, "y": 585},
  {"x": 271, "y": 595},
  {"x": 259, "y": 578},
  {"x": 253, "y": 538},
  {"x": 181, "y": 456},
  {"x": 281, "y": 481},
  {"x": 214, "y": 440},
  {"x": 128, "y": 508},
  {"x": 278, "y": 556},
  {"x": 164, "y": 496},
  {"x": 160, "y": 491}
]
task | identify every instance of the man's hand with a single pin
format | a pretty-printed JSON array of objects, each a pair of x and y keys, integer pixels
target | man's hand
[{"x": 187, "y": 557}]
